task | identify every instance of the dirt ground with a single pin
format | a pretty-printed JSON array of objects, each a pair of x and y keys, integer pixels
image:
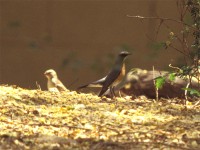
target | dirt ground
[{"x": 35, "y": 119}]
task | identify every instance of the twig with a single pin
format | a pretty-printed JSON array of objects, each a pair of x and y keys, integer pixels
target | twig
[
  {"x": 55, "y": 125},
  {"x": 178, "y": 50},
  {"x": 110, "y": 128},
  {"x": 158, "y": 29},
  {"x": 154, "y": 82},
  {"x": 161, "y": 18},
  {"x": 38, "y": 85},
  {"x": 177, "y": 68},
  {"x": 195, "y": 105},
  {"x": 186, "y": 93}
]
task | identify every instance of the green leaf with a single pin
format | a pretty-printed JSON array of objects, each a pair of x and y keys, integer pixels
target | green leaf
[
  {"x": 160, "y": 82},
  {"x": 172, "y": 77},
  {"x": 192, "y": 91}
]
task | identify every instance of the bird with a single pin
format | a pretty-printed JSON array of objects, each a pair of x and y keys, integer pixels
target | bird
[
  {"x": 100, "y": 82},
  {"x": 116, "y": 75},
  {"x": 129, "y": 77},
  {"x": 53, "y": 83}
]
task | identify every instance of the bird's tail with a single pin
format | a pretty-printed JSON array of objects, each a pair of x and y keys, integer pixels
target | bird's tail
[{"x": 96, "y": 84}]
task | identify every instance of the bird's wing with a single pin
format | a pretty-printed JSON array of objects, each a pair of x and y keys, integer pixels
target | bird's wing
[
  {"x": 53, "y": 81},
  {"x": 61, "y": 87},
  {"x": 58, "y": 84},
  {"x": 112, "y": 76}
]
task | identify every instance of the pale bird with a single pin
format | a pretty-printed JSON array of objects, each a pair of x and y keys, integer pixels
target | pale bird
[{"x": 53, "y": 83}]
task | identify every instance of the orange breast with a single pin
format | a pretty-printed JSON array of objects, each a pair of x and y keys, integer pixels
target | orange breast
[{"x": 121, "y": 76}]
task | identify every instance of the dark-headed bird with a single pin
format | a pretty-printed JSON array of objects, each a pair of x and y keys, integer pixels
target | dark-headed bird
[{"x": 116, "y": 75}]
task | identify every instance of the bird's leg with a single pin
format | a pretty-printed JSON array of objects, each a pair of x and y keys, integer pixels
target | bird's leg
[
  {"x": 120, "y": 95},
  {"x": 111, "y": 92}
]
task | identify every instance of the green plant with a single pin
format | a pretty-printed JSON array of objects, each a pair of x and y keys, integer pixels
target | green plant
[
  {"x": 186, "y": 40},
  {"x": 192, "y": 91}
]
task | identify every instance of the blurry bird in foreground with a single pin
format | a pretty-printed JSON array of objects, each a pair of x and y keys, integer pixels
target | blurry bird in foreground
[{"x": 53, "y": 83}]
